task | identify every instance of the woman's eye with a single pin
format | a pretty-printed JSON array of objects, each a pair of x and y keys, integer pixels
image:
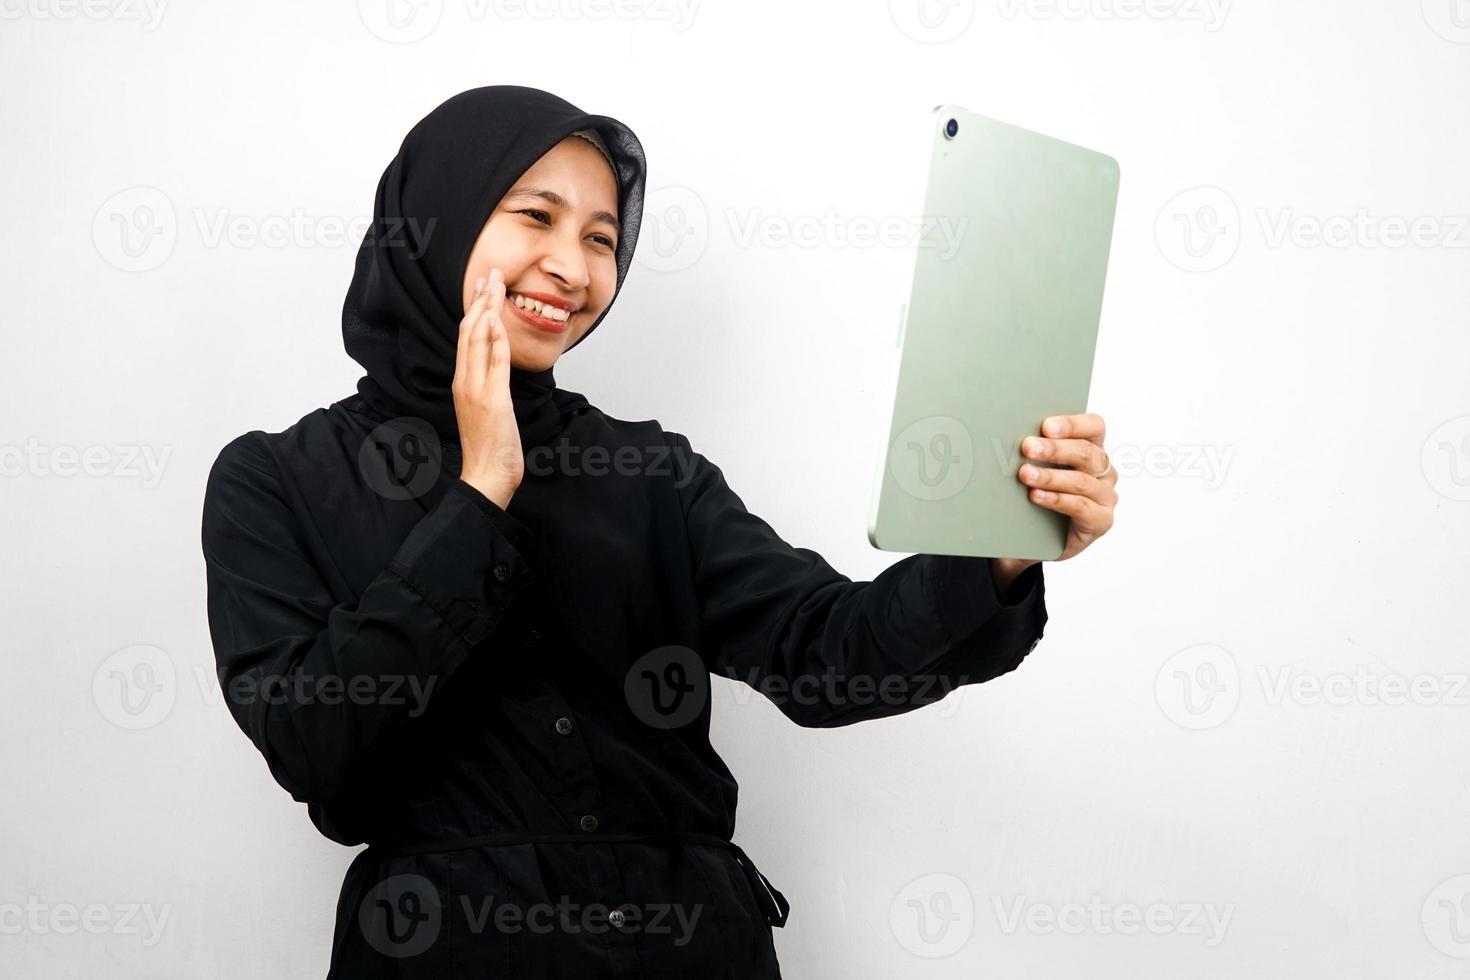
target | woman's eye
[{"x": 545, "y": 219}]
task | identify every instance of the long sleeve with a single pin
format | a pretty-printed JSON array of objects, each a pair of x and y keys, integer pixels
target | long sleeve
[
  {"x": 829, "y": 651},
  {"x": 322, "y": 687}
]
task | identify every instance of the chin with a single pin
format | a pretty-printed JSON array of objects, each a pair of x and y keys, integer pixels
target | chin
[{"x": 537, "y": 355}]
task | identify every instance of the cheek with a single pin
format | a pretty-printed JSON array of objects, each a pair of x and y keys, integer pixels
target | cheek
[{"x": 605, "y": 281}]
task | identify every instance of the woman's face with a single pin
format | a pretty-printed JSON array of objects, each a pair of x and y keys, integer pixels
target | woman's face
[{"x": 554, "y": 236}]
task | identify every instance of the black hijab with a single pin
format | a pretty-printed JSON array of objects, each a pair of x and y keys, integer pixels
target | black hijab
[{"x": 400, "y": 320}]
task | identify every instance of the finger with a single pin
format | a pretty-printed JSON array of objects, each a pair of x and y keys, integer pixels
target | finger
[
  {"x": 1088, "y": 425},
  {"x": 1088, "y": 516},
  {"x": 478, "y": 362},
  {"x": 1080, "y": 454},
  {"x": 499, "y": 352},
  {"x": 1068, "y": 481},
  {"x": 466, "y": 325}
]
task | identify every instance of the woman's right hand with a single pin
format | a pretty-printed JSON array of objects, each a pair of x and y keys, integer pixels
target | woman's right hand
[{"x": 494, "y": 463}]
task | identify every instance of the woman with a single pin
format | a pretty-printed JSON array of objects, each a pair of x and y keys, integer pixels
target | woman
[{"x": 469, "y": 619}]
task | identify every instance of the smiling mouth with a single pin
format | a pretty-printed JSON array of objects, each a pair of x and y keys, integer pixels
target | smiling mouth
[{"x": 555, "y": 312}]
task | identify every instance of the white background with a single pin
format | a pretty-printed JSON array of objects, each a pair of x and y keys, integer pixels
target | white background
[{"x": 1250, "y": 702}]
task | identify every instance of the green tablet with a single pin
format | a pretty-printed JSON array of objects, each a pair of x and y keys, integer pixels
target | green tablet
[{"x": 999, "y": 333}]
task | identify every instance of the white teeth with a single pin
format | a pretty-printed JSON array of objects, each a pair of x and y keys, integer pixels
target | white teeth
[{"x": 536, "y": 306}]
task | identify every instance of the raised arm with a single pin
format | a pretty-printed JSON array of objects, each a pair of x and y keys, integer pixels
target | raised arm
[{"x": 829, "y": 651}]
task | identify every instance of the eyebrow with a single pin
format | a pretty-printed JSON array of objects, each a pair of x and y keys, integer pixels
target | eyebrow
[{"x": 552, "y": 197}]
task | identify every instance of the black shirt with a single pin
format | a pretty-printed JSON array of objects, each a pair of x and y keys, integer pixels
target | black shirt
[{"x": 510, "y": 706}]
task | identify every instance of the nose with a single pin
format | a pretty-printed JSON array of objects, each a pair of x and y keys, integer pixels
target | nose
[{"x": 564, "y": 261}]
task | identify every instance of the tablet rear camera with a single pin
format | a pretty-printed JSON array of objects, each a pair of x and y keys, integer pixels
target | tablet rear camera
[{"x": 951, "y": 127}]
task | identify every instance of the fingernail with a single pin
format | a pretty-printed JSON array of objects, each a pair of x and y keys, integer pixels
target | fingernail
[
  {"x": 1054, "y": 427},
  {"x": 1033, "y": 446},
  {"x": 1028, "y": 473},
  {"x": 479, "y": 284}
]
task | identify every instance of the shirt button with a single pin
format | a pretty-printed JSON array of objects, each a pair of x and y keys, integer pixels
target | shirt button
[
  {"x": 617, "y": 918},
  {"x": 564, "y": 725},
  {"x": 501, "y": 571},
  {"x": 589, "y": 823}
]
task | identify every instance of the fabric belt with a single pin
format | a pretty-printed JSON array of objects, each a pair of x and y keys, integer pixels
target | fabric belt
[{"x": 774, "y": 906}]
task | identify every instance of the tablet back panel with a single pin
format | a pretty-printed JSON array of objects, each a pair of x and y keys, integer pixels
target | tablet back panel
[{"x": 1000, "y": 333}]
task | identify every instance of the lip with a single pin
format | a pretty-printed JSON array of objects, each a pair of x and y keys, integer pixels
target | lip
[
  {"x": 537, "y": 320},
  {"x": 556, "y": 301}
]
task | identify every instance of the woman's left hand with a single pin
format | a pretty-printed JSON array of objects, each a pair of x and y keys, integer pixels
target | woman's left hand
[{"x": 1084, "y": 487}]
